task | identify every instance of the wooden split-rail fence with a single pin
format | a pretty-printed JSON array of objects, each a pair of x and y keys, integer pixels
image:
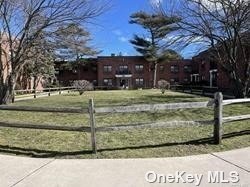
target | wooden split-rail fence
[
  {"x": 217, "y": 104},
  {"x": 44, "y": 92}
]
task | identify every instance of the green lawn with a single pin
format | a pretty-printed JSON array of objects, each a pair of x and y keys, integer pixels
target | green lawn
[{"x": 125, "y": 144}]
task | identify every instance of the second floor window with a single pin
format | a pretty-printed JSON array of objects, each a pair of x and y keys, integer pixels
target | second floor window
[
  {"x": 138, "y": 68},
  {"x": 175, "y": 69},
  {"x": 161, "y": 68},
  {"x": 123, "y": 68},
  {"x": 107, "y": 69},
  {"x": 187, "y": 69}
]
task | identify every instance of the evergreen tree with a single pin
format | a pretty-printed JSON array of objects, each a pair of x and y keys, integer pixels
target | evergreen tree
[{"x": 152, "y": 46}]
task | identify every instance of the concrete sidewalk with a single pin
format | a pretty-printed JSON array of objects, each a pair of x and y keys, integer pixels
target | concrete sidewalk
[{"x": 33, "y": 172}]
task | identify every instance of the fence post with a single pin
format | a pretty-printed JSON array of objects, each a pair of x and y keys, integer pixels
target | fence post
[
  {"x": 218, "y": 108},
  {"x": 60, "y": 90},
  {"x": 49, "y": 92},
  {"x": 35, "y": 93},
  {"x": 203, "y": 90},
  {"x": 92, "y": 125},
  {"x": 13, "y": 97}
]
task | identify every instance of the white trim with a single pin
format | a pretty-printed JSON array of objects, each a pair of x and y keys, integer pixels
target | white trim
[
  {"x": 211, "y": 77},
  {"x": 123, "y": 76},
  {"x": 213, "y": 70}
]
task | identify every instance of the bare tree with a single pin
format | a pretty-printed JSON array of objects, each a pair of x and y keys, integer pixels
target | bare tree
[
  {"x": 22, "y": 21},
  {"x": 163, "y": 85},
  {"x": 223, "y": 27},
  {"x": 39, "y": 67},
  {"x": 82, "y": 85}
]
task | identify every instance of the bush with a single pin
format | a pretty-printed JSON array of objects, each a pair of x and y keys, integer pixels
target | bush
[
  {"x": 18, "y": 86},
  {"x": 163, "y": 85},
  {"x": 82, "y": 86}
]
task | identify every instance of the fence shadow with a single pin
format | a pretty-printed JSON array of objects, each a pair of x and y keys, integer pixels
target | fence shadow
[{"x": 37, "y": 153}]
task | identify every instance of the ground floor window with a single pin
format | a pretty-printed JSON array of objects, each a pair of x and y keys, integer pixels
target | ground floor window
[
  {"x": 139, "y": 82},
  {"x": 174, "y": 80},
  {"x": 95, "y": 82},
  {"x": 107, "y": 82}
]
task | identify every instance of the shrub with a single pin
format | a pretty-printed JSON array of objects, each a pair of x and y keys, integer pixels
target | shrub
[
  {"x": 82, "y": 86},
  {"x": 18, "y": 86},
  {"x": 163, "y": 85}
]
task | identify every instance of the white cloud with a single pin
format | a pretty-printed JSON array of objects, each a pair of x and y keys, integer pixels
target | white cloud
[
  {"x": 123, "y": 39},
  {"x": 156, "y": 3},
  {"x": 117, "y": 32}
]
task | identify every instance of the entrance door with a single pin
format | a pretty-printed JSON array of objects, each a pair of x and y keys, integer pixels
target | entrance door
[{"x": 123, "y": 83}]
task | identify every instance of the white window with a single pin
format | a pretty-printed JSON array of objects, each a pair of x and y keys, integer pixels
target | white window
[
  {"x": 187, "y": 69},
  {"x": 139, "y": 82},
  {"x": 139, "y": 68},
  {"x": 107, "y": 82},
  {"x": 123, "y": 67},
  {"x": 107, "y": 69},
  {"x": 161, "y": 68},
  {"x": 174, "y": 69}
]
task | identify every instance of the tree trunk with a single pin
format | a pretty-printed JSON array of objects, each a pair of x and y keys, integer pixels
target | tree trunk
[
  {"x": 7, "y": 94},
  {"x": 35, "y": 82},
  {"x": 155, "y": 74},
  {"x": 240, "y": 90}
]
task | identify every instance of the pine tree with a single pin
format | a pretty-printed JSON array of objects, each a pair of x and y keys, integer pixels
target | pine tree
[{"x": 152, "y": 46}]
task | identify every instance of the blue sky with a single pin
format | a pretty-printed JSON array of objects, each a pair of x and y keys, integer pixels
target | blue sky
[{"x": 112, "y": 31}]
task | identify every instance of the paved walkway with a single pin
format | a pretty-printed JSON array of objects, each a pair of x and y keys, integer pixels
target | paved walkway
[{"x": 33, "y": 172}]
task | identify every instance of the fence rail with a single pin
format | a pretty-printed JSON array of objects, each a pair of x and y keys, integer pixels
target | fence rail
[
  {"x": 169, "y": 124},
  {"x": 153, "y": 107},
  {"x": 44, "y": 89},
  {"x": 217, "y": 103},
  {"x": 235, "y": 101},
  {"x": 32, "y": 93},
  {"x": 202, "y": 90},
  {"x": 44, "y": 109}
]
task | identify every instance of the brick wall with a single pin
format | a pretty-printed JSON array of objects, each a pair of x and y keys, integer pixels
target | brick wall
[
  {"x": 95, "y": 71},
  {"x": 87, "y": 71}
]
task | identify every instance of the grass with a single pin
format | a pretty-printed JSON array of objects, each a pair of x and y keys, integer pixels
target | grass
[{"x": 126, "y": 144}]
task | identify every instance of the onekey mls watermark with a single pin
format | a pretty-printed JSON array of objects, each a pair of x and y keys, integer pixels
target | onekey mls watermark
[{"x": 211, "y": 177}]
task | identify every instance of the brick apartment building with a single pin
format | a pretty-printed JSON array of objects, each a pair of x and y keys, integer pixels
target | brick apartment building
[
  {"x": 5, "y": 67},
  {"x": 124, "y": 72},
  {"x": 66, "y": 73},
  {"x": 208, "y": 72},
  {"x": 205, "y": 70}
]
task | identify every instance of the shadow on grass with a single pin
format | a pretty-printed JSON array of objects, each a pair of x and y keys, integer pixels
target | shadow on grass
[
  {"x": 170, "y": 98},
  {"x": 48, "y": 154},
  {"x": 145, "y": 99}
]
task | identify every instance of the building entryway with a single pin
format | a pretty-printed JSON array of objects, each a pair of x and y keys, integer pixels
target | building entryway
[
  {"x": 213, "y": 78},
  {"x": 123, "y": 83}
]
